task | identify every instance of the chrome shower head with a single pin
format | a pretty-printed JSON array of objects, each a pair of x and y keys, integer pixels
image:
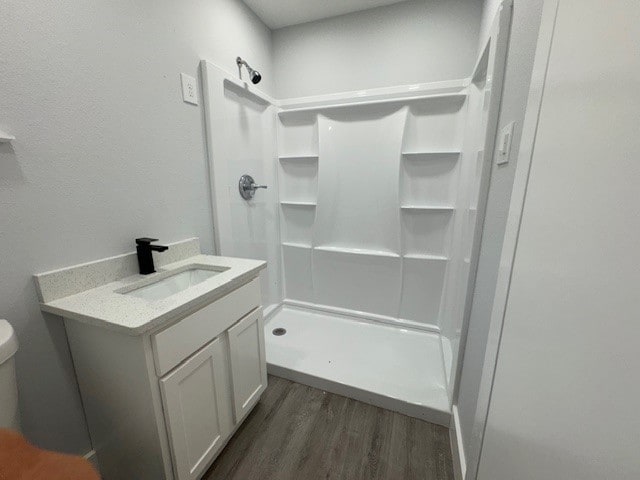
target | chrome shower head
[{"x": 254, "y": 75}]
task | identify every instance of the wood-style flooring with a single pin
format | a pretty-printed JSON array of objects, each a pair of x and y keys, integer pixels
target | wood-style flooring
[{"x": 302, "y": 433}]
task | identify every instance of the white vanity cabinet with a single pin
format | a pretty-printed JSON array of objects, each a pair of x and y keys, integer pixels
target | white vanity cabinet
[
  {"x": 196, "y": 410},
  {"x": 248, "y": 363},
  {"x": 163, "y": 404}
]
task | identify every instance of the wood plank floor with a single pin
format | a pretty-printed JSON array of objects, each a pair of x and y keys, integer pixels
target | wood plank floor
[{"x": 302, "y": 433}]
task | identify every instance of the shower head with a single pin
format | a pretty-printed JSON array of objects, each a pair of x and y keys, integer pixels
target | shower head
[{"x": 254, "y": 75}]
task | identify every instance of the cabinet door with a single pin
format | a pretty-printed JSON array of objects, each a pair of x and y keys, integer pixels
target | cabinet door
[
  {"x": 194, "y": 410},
  {"x": 248, "y": 362}
]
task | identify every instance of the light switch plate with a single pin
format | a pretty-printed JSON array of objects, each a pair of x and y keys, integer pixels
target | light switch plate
[
  {"x": 189, "y": 89},
  {"x": 504, "y": 144}
]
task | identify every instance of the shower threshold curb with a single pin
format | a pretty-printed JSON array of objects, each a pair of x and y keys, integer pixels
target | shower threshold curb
[{"x": 414, "y": 410}]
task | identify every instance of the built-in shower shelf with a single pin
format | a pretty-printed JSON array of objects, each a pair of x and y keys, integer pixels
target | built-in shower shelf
[
  {"x": 427, "y": 207},
  {"x": 427, "y": 155},
  {"x": 5, "y": 137},
  {"x": 358, "y": 251},
  {"x": 420, "y": 256},
  {"x": 296, "y": 245},
  {"x": 367, "y": 102},
  {"x": 298, "y": 204},
  {"x": 298, "y": 158}
]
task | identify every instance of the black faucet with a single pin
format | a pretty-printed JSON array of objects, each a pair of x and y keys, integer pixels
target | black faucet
[{"x": 145, "y": 258}]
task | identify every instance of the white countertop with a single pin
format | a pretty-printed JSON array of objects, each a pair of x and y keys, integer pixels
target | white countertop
[{"x": 103, "y": 306}]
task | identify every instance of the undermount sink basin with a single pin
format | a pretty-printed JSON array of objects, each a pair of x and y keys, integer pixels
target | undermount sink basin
[{"x": 175, "y": 283}]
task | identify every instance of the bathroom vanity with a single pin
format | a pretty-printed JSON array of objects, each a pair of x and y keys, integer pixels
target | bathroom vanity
[{"x": 169, "y": 364}]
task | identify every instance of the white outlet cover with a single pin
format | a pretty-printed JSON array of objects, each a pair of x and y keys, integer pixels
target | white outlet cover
[
  {"x": 504, "y": 144},
  {"x": 189, "y": 89}
]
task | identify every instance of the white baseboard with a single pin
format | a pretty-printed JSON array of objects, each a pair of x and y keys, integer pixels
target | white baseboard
[
  {"x": 93, "y": 458},
  {"x": 457, "y": 447}
]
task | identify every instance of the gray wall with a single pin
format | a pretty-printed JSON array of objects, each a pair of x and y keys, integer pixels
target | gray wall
[
  {"x": 565, "y": 397},
  {"x": 106, "y": 151},
  {"x": 410, "y": 42},
  {"x": 524, "y": 34}
]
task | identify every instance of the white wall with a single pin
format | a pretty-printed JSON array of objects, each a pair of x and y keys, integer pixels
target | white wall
[
  {"x": 522, "y": 46},
  {"x": 410, "y": 42},
  {"x": 106, "y": 151},
  {"x": 566, "y": 394}
]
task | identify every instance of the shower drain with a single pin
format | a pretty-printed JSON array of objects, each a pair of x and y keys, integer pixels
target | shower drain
[{"x": 279, "y": 331}]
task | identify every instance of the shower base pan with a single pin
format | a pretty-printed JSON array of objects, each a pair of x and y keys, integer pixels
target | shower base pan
[{"x": 389, "y": 367}]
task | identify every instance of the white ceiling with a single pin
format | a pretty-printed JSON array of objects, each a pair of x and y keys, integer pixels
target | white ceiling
[{"x": 282, "y": 13}]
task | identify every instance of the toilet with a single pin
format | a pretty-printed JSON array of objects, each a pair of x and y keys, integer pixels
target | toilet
[
  {"x": 18, "y": 457},
  {"x": 9, "y": 415}
]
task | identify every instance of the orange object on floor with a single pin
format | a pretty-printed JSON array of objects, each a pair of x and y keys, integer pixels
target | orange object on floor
[{"x": 19, "y": 460}]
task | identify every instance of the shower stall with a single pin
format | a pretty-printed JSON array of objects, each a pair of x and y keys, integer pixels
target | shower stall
[{"x": 369, "y": 223}]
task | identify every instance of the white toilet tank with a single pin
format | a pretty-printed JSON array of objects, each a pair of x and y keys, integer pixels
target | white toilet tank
[{"x": 9, "y": 415}]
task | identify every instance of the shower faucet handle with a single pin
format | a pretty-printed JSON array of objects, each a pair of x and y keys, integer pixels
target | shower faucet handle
[{"x": 247, "y": 187}]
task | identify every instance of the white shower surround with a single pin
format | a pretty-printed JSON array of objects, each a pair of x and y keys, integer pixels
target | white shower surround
[
  {"x": 368, "y": 192},
  {"x": 375, "y": 194}
]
